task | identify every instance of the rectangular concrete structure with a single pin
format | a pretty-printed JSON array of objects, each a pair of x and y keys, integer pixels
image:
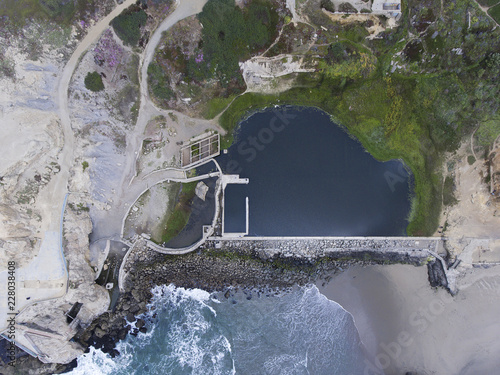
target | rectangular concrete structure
[{"x": 200, "y": 150}]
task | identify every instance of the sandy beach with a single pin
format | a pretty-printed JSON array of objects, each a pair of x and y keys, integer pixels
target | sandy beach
[{"x": 408, "y": 327}]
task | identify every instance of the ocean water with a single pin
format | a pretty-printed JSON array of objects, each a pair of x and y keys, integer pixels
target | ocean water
[{"x": 192, "y": 331}]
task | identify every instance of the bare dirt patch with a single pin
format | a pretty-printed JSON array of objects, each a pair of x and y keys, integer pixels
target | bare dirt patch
[
  {"x": 476, "y": 214},
  {"x": 150, "y": 211},
  {"x": 373, "y": 24}
]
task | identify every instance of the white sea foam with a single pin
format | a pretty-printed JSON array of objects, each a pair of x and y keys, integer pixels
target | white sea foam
[
  {"x": 164, "y": 294},
  {"x": 298, "y": 332},
  {"x": 351, "y": 317},
  {"x": 95, "y": 362},
  {"x": 191, "y": 340}
]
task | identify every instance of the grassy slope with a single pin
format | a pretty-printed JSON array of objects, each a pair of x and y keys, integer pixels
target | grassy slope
[
  {"x": 61, "y": 12},
  {"x": 495, "y": 12},
  {"x": 21, "y": 10},
  {"x": 488, "y": 3},
  {"x": 180, "y": 217}
]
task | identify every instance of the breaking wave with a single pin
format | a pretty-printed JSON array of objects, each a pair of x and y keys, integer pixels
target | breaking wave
[{"x": 191, "y": 331}]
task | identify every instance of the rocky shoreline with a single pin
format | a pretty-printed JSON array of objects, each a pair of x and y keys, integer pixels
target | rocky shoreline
[{"x": 211, "y": 270}]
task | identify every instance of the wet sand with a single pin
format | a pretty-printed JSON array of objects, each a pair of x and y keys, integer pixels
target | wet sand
[{"x": 407, "y": 326}]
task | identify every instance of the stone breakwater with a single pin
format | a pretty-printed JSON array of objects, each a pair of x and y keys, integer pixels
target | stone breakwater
[{"x": 395, "y": 249}]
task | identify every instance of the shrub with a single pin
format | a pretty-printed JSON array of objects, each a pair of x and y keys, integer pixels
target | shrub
[
  {"x": 85, "y": 165},
  {"x": 328, "y": 5},
  {"x": 6, "y": 67},
  {"x": 107, "y": 50},
  {"x": 338, "y": 52},
  {"x": 347, "y": 8},
  {"x": 449, "y": 198},
  {"x": 180, "y": 217},
  {"x": 93, "y": 82},
  {"x": 159, "y": 82},
  {"x": 488, "y": 3},
  {"x": 471, "y": 159},
  {"x": 128, "y": 25},
  {"x": 488, "y": 131}
]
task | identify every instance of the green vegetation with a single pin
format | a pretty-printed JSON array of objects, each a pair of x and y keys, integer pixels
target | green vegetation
[
  {"x": 127, "y": 103},
  {"x": 327, "y": 5},
  {"x": 62, "y": 12},
  {"x": 128, "y": 25},
  {"x": 449, "y": 198},
  {"x": 199, "y": 57},
  {"x": 85, "y": 165},
  {"x": 215, "y": 106},
  {"x": 82, "y": 207},
  {"x": 488, "y": 3},
  {"x": 172, "y": 116},
  {"x": 231, "y": 34},
  {"x": 93, "y": 82},
  {"x": 133, "y": 69},
  {"x": 134, "y": 110},
  {"x": 6, "y": 67},
  {"x": 495, "y": 13},
  {"x": 19, "y": 11},
  {"x": 347, "y": 8},
  {"x": 345, "y": 60},
  {"x": 159, "y": 83},
  {"x": 471, "y": 159},
  {"x": 488, "y": 131},
  {"x": 58, "y": 8},
  {"x": 179, "y": 218}
]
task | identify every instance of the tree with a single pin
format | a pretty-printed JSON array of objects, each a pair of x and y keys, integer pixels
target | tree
[
  {"x": 93, "y": 82},
  {"x": 128, "y": 25}
]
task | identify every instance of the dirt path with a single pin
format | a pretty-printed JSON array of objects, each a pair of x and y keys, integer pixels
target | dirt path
[
  {"x": 51, "y": 199},
  {"x": 184, "y": 9}
]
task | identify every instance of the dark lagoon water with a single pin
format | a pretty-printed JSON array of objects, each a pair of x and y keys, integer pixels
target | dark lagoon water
[{"x": 308, "y": 177}]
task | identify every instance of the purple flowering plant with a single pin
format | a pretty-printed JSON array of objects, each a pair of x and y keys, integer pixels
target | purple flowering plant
[{"x": 108, "y": 50}]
